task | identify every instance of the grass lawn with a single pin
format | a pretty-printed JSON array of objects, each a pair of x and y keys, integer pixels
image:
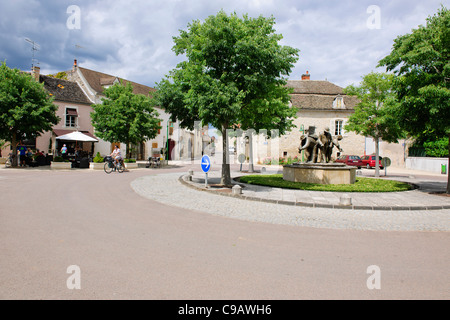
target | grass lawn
[{"x": 361, "y": 184}]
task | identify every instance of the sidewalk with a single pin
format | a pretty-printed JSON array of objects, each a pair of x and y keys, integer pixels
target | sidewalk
[{"x": 428, "y": 196}]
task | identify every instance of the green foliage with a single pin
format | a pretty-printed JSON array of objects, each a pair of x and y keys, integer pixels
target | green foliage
[
  {"x": 280, "y": 160},
  {"x": 58, "y": 159},
  {"x": 437, "y": 148},
  {"x": 361, "y": 184},
  {"x": 60, "y": 75},
  {"x": 98, "y": 158},
  {"x": 233, "y": 75},
  {"x": 124, "y": 116},
  {"x": 374, "y": 115},
  {"x": 129, "y": 160},
  {"x": 26, "y": 109},
  {"x": 421, "y": 60}
]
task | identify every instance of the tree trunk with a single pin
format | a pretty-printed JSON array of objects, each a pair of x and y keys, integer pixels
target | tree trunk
[
  {"x": 250, "y": 151},
  {"x": 377, "y": 157},
  {"x": 14, "y": 150},
  {"x": 128, "y": 152},
  {"x": 448, "y": 166},
  {"x": 226, "y": 173}
]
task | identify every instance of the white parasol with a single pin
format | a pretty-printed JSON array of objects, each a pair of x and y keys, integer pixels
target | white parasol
[{"x": 77, "y": 136}]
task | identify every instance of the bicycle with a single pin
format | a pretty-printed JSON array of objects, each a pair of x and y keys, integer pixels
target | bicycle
[
  {"x": 153, "y": 162},
  {"x": 9, "y": 161},
  {"x": 111, "y": 165}
]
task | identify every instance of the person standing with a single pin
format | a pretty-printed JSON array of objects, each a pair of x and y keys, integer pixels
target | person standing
[
  {"x": 22, "y": 153},
  {"x": 64, "y": 151}
]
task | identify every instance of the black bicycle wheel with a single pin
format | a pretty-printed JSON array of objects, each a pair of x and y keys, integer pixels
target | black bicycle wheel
[
  {"x": 108, "y": 168},
  {"x": 120, "y": 167}
]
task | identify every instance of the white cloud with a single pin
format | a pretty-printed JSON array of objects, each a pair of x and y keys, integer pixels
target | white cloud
[{"x": 134, "y": 39}]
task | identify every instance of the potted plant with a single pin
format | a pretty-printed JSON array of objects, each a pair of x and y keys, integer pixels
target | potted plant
[
  {"x": 59, "y": 163},
  {"x": 98, "y": 162}
]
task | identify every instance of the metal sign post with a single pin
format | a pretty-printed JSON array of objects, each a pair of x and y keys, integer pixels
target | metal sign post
[
  {"x": 206, "y": 166},
  {"x": 385, "y": 162},
  {"x": 241, "y": 159}
]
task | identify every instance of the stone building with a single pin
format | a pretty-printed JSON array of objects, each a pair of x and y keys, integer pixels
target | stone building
[
  {"x": 183, "y": 144},
  {"x": 74, "y": 109},
  {"x": 323, "y": 104}
]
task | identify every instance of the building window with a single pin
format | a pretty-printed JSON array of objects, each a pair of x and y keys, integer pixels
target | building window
[
  {"x": 338, "y": 103},
  {"x": 71, "y": 117},
  {"x": 338, "y": 127}
]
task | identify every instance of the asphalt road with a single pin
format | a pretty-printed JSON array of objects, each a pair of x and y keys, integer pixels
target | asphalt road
[{"x": 129, "y": 247}]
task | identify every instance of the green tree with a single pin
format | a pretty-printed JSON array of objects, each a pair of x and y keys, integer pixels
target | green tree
[
  {"x": 374, "y": 115},
  {"x": 26, "y": 109},
  {"x": 125, "y": 117},
  {"x": 233, "y": 75},
  {"x": 421, "y": 60}
]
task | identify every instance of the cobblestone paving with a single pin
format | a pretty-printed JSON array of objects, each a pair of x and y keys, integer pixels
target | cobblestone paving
[{"x": 167, "y": 189}]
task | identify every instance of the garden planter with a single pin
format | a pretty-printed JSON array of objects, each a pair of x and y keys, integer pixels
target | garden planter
[
  {"x": 96, "y": 165},
  {"x": 60, "y": 165},
  {"x": 131, "y": 165}
]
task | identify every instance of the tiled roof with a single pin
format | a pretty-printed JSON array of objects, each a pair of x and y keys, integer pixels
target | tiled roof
[
  {"x": 64, "y": 90},
  {"x": 97, "y": 81},
  {"x": 314, "y": 86},
  {"x": 318, "y": 95}
]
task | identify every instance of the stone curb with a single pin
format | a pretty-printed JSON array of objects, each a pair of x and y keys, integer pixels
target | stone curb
[{"x": 313, "y": 205}]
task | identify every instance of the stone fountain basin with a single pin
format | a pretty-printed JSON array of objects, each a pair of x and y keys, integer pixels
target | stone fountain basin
[{"x": 322, "y": 173}]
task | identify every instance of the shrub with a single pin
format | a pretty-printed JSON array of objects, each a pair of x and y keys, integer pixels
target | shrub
[
  {"x": 98, "y": 158},
  {"x": 58, "y": 159},
  {"x": 129, "y": 160},
  {"x": 437, "y": 148}
]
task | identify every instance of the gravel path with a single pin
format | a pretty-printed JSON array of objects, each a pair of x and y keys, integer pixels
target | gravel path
[{"x": 166, "y": 188}]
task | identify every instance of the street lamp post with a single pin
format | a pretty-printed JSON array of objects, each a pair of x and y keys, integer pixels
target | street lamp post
[{"x": 302, "y": 130}]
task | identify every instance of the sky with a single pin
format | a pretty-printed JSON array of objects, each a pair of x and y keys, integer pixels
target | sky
[{"x": 339, "y": 41}]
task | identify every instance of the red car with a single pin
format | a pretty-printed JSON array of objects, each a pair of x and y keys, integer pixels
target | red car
[
  {"x": 350, "y": 160},
  {"x": 369, "y": 161}
]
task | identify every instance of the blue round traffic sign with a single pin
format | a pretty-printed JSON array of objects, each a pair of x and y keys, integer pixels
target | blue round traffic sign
[{"x": 206, "y": 163}]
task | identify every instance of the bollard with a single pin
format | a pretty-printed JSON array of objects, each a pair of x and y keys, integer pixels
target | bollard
[
  {"x": 345, "y": 200},
  {"x": 189, "y": 175},
  {"x": 237, "y": 189}
]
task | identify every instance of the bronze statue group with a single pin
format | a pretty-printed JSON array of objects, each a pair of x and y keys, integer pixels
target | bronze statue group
[{"x": 318, "y": 148}]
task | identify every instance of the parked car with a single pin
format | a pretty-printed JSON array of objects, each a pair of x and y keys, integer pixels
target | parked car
[
  {"x": 350, "y": 160},
  {"x": 369, "y": 161}
]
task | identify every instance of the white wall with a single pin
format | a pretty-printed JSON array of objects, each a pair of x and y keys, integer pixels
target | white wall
[{"x": 426, "y": 164}]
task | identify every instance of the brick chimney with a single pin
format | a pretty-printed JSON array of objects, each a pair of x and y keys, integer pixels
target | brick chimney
[
  {"x": 75, "y": 65},
  {"x": 35, "y": 72},
  {"x": 305, "y": 76}
]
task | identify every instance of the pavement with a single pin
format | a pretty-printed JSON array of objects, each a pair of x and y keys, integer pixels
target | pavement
[
  {"x": 421, "y": 209},
  {"x": 426, "y": 208},
  {"x": 428, "y": 193}
]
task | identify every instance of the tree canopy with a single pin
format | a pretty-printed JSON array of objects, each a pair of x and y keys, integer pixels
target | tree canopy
[
  {"x": 26, "y": 108},
  {"x": 374, "y": 115},
  {"x": 421, "y": 61},
  {"x": 233, "y": 75},
  {"x": 125, "y": 117}
]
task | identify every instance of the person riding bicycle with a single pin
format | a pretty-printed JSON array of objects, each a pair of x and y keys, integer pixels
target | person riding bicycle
[{"x": 117, "y": 154}]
